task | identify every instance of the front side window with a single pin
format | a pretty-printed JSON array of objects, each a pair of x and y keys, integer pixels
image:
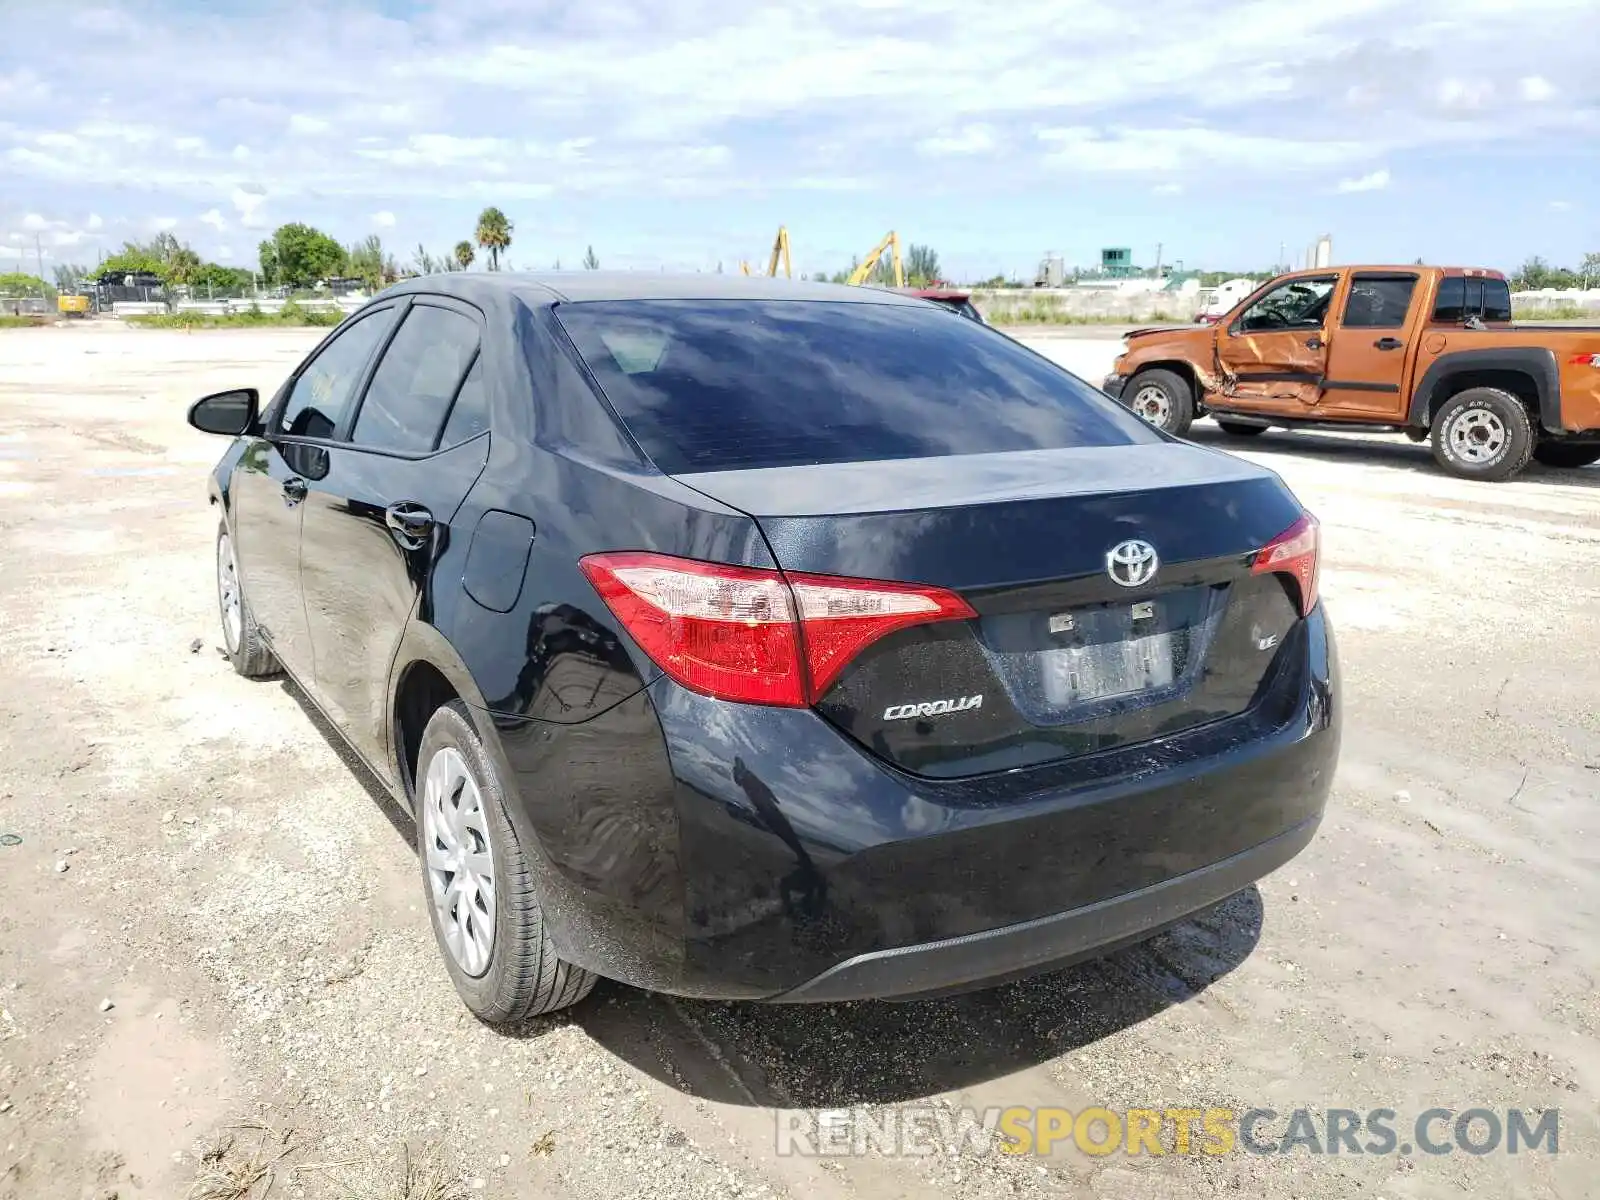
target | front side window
[
  {"x": 733, "y": 384},
  {"x": 1378, "y": 302},
  {"x": 324, "y": 389},
  {"x": 412, "y": 389},
  {"x": 1297, "y": 304}
]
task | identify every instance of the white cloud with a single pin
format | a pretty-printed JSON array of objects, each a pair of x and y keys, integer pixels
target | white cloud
[
  {"x": 33, "y": 222},
  {"x": 94, "y": 221},
  {"x": 304, "y": 123},
  {"x": 188, "y": 145},
  {"x": 1168, "y": 189},
  {"x": 224, "y": 253},
  {"x": 1374, "y": 181},
  {"x": 164, "y": 224},
  {"x": 1561, "y": 206},
  {"x": 1082, "y": 148},
  {"x": 1535, "y": 89},
  {"x": 383, "y": 219},
  {"x": 247, "y": 202},
  {"x": 241, "y": 153},
  {"x": 970, "y": 139},
  {"x": 214, "y": 218}
]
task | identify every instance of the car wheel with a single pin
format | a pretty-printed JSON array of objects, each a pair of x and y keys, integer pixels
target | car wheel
[
  {"x": 1483, "y": 433},
  {"x": 478, "y": 883},
  {"x": 1240, "y": 429},
  {"x": 241, "y": 638},
  {"x": 1162, "y": 398},
  {"x": 1556, "y": 454}
]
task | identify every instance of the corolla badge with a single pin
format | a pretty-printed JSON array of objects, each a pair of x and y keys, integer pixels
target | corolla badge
[
  {"x": 1132, "y": 563},
  {"x": 933, "y": 708}
]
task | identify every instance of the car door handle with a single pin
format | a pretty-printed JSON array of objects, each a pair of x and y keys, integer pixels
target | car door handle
[
  {"x": 1388, "y": 343},
  {"x": 294, "y": 490},
  {"x": 1313, "y": 342},
  {"x": 409, "y": 522}
]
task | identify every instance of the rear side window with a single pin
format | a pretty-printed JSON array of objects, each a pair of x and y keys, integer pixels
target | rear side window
[
  {"x": 322, "y": 394},
  {"x": 1378, "y": 302},
  {"x": 1489, "y": 299},
  {"x": 469, "y": 416},
  {"x": 728, "y": 384},
  {"x": 414, "y": 385}
]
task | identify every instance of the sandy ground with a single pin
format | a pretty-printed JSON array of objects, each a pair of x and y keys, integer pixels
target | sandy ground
[{"x": 197, "y": 851}]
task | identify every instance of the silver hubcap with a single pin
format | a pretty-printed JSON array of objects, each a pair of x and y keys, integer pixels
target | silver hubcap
[
  {"x": 460, "y": 868},
  {"x": 1477, "y": 436},
  {"x": 1151, "y": 403},
  {"x": 228, "y": 594}
]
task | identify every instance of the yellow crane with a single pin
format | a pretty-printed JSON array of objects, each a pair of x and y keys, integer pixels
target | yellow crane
[
  {"x": 780, "y": 249},
  {"x": 891, "y": 243}
]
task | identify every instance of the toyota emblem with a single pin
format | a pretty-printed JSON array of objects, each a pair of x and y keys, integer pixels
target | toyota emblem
[{"x": 1132, "y": 563}]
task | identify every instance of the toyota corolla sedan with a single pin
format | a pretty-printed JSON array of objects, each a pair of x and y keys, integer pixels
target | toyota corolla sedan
[{"x": 762, "y": 640}]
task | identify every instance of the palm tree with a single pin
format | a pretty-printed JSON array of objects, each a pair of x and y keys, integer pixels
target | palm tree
[
  {"x": 494, "y": 234},
  {"x": 590, "y": 262},
  {"x": 465, "y": 254}
]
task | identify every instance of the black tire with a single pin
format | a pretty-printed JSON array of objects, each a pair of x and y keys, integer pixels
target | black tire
[
  {"x": 1493, "y": 409},
  {"x": 524, "y": 976},
  {"x": 247, "y": 652},
  {"x": 1176, "y": 414},
  {"x": 1559, "y": 454},
  {"x": 1239, "y": 429}
]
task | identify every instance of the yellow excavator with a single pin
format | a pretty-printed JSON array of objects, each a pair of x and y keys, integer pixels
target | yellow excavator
[
  {"x": 780, "y": 249},
  {"x": 891, "y": 243}
]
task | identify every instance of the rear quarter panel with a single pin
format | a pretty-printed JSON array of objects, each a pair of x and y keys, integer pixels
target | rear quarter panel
[{"x": 1571, "y": 348}]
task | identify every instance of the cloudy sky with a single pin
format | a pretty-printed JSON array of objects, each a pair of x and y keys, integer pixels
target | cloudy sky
[{"x": 682, "y": 134}]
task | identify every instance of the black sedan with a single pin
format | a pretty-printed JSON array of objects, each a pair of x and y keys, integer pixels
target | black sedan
[{"x": 751, "y": 639}]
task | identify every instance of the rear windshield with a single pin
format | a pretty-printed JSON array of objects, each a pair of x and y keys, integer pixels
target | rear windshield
[{"x": 708, "y": 385}]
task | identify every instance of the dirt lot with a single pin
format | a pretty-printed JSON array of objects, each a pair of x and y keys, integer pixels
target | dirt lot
[{"x": 197, "y": 851}]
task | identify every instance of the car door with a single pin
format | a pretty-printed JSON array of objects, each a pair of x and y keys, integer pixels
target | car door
[
  {"x": 1369, "y": 350},
  {"x": 269, "y": 485},
  {"x": 1274, "y": 352},
  {"x": 378, "y": 519}
]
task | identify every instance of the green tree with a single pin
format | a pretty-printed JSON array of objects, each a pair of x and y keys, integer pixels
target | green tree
[
  {"x": 590, "y": 262},
  {"x": 922, "y": 265},
  {"x": 493, "y": 234},
  {"x": 1532, "y": 275},
  {"x": 299, "y": 255},
  {"x": 465, "y": 253},
  {"x": 1591, "y": 269},
  {"x": 366, "y": 262},
  {"x": 426, "y": 264},
  {"x": 213, "y": 278},
  {"x": 15, "y": 283},
  {"x": 69, "y": 275}
]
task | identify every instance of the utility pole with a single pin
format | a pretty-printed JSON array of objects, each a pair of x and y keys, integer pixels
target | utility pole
[
  {"x": 1282, "y": 264},
  {"x": 38, "y": 253},
  {"x": 1158, "y": 260}
]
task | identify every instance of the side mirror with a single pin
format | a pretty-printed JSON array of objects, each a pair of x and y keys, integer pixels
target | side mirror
[{"x": 230, "y": 413}]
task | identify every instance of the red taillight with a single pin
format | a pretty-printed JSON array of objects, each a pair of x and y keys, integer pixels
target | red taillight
[
  {"x": 1584, "y": 360},
  {"x": 1294, "y": 552},
  {"x": 756, "y": 636}
]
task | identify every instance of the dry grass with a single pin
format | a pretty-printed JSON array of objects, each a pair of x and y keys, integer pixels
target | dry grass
[
  {"x": 421, "y": 1177},
  {"x": 238, "y": 1164}
]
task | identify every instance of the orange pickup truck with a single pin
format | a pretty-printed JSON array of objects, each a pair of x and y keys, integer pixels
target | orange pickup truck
[{"x": 1430, "y": 352}]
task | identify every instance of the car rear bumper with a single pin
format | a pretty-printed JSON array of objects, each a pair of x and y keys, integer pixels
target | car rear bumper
[
  {"x": 908, "y": 972},
  {"x": 701, "y": 848},
  {"x": 1113, "y": 385}
]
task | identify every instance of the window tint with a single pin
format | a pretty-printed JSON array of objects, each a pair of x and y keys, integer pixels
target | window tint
[
  {"x": 1298, "y": 304},
  {"x": 1460, "y": 298},
  {"x": 732, "y": 384},
  {"x": 323, "y": 392},
  {"x": 412, "y": 388},
  {"x": 1376, "y": 303},
  {"x": 470, "y": 415},
  {"x": 1450, "y": 306}
]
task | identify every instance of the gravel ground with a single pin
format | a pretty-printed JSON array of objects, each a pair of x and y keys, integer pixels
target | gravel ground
[{"x": 213, "y": 955}]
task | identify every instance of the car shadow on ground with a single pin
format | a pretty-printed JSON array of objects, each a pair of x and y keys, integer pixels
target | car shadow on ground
[
  {"x": 1389, "y": 452},
  {"x": 374, "y": 787},
  {"x": 826, "y": 1055}
]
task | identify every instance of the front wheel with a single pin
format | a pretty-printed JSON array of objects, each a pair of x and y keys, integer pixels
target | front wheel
[
  {"x": 478, "y": 883},
  {"x": 241, "y": 638},
  {"x": 1559, "y": 454},
  {"x": 1483, "y": 433},
  {"x": 1162, "y": 398},
  {"x": 1240, "y": 429}
]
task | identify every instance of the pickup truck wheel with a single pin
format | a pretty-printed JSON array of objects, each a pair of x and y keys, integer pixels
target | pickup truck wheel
[
  {"x": 1162, "y": 398},
  {"x": 1483, "y": 433},
  {"x": 1239, "y": 429},
  {"x": 1555, "y": 454}
]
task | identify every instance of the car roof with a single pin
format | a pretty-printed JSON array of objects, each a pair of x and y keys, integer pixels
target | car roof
[{"x": 541, "y": 288}]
